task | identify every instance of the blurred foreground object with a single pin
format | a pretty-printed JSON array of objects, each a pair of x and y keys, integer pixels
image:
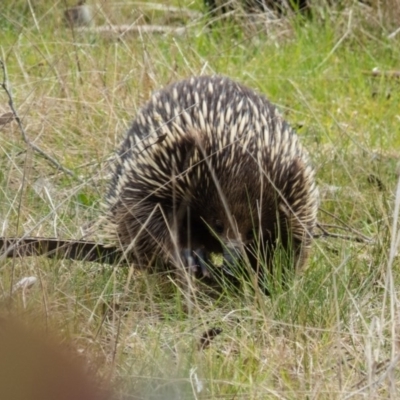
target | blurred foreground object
[{"x": 34, "y": 366}]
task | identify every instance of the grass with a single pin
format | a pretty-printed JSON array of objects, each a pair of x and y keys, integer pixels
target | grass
[{"x": 334, "y": 333}]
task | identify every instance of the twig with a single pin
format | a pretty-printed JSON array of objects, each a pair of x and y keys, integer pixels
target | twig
[
  {"x": 393, "y": 34},
  {"x": 82, "y": 250},
  {"x": 122, "y": 30},
  {"x": 386, "y": 74},
  {"x": 325, "y": 233},
  {"x": 50, "y": 159},
  {"x": 345, "y": 226}
]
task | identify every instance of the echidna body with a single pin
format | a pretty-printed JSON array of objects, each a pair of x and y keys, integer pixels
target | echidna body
[{"x": 209, "y": 165}]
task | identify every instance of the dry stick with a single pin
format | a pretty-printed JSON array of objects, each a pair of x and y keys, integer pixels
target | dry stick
[
  {"x": 51, "y": 160},
  {"x": 325, "y": 233},
  {"x": 122, "y": 30},
  {"x": 346, "y": 226},
  {"x": 359, "y": 237},
  {"x": 393, "y": 34},
  {"x": 81, "y": 250},
  {"x": 386, "y": 74}
]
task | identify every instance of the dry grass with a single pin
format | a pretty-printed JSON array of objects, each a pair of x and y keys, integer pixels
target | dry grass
[{"x": 334, "y": 333}]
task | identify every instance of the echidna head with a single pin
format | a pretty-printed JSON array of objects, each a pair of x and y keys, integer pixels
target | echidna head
[{"x": 235, "y": 219}]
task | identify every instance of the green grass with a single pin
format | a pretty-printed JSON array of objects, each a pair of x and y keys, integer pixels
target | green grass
[{"x": 333, "y": 333}]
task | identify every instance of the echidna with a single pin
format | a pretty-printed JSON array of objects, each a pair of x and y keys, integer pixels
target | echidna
[{"x": 209, "y": 166}]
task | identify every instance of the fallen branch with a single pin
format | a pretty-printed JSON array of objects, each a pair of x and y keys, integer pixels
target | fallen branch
[
  {"x": 386, "y": 74},
  {"x": 346, "y": 227},
  {"x": 123, "y": 30},
  {"x": 354, "y": 238},
  {"x": 81, "y": 250}
]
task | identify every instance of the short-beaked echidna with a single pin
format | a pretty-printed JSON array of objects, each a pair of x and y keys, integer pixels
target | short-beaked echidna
[{"x": 207, "y": 166}]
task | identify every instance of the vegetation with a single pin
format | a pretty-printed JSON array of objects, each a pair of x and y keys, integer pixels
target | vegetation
[{"x": 334, "y": 334}]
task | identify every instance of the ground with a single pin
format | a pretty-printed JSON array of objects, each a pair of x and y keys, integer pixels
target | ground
[{"x": 333, "y": 334}]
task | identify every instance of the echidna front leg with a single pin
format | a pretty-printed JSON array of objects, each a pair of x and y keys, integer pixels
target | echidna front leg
[{"x": 196, "y": 262}]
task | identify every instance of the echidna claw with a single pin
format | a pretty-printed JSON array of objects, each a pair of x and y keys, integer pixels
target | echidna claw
[
  {"x": 202, "y": 261},
  {"x": 196, "y": 263}
]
